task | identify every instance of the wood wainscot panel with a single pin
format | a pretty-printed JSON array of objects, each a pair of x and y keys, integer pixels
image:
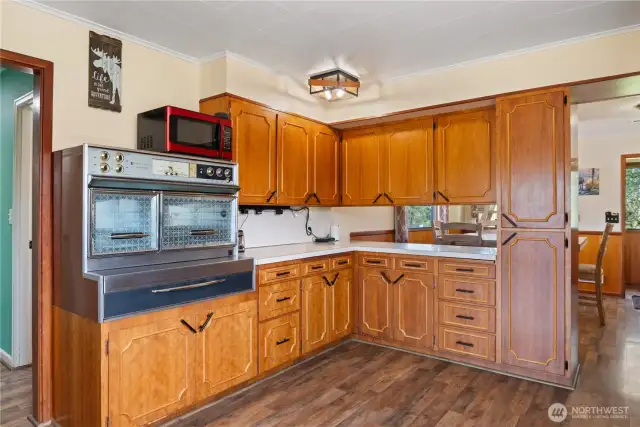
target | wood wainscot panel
[
  {"x": 631, "y": 257},
  {"x": 416, "y": 235},
  {"x": 611, "y": 264}
]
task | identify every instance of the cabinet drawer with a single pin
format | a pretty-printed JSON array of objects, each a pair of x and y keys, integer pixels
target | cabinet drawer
[
  {"x": 462, "y": 268},
  {"x": 274, "y": 274},
  {"x": 341, "y": 262},
  {"x": 474, "y": 344},
  {"x": 279, "y": 298},
  {"x": 279, "y": 341},
  {"x": 467, "y": 316},
  {"x": 414, "y": 264},
  {"x": 467, "y": 290},
  {"x": 315, "y": 267},
  {"x": 374, "y": 260}
]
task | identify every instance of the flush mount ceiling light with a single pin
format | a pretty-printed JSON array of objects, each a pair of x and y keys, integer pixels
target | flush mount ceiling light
[{"x": 333, "y": 85}]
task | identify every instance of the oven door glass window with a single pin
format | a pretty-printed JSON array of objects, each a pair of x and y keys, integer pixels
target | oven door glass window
[
  {"x": 195, "y": 133},
  {"x": 191, "y": 221},
  {"x": 123, "y": 222}
]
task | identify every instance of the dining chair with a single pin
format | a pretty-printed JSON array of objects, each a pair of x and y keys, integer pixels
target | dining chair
[
  {"x": 593, "y": 273},
  {"x": 460, "y": 236}
]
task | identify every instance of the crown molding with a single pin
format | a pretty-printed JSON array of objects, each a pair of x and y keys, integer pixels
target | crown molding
[
  {"x": 106, "y": 30},
  {"x": 545, "y": 46}
]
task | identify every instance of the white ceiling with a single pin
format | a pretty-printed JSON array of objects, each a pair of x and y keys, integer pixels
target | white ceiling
[
  {"x": 377, "y": 40},
  {"x": 611, "y": 117}
]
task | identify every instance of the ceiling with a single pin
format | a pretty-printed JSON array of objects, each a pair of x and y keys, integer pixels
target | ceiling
[
  {"x": 612, "y": 117},
  {"x": 378, "y": 40}
]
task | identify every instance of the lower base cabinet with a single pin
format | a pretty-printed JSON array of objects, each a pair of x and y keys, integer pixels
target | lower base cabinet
[
  {"x": 413, "y": 304},
  {"x": 279, "y": 341},
  {"x": 375, "y": 302},
  {"x": 156, "y": 369}
]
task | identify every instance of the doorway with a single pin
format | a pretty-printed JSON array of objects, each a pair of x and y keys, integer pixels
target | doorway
[{"x": 630, "y": 195}]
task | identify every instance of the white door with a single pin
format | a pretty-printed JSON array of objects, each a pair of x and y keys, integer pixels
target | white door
[{"x": 22, "y": 232}]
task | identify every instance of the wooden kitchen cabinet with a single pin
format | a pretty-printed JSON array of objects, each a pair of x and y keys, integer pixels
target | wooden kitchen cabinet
[
  {"x": 315, "y": 312},
  {"x": 151, "y": 370},
  {"x": 375, "y": 302},
  {"x": 295, "y": 160},
  {"x": 531, "y": 145},
  {"x": 341, "y": 305},
  {"x": 533, "y": 301},
  {"x": 465, "y": 157},
  {"x": 408, "y": 162},
  {"x": 362, "y": 166},
  {"x": 279, "y": 341},
  {"x": 254, "y": 149},
  {"x": 413, "y": 309},
  {"x": 325, "y": 166},
  {"x": 226, "y": 348}
]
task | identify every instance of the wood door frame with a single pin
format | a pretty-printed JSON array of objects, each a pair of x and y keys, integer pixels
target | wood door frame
[
  {"x": 42, "y": 276},
  {"x": 623, "y": 212}
]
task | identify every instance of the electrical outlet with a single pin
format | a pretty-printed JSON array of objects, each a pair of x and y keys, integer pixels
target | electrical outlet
[
  {"x": 10, "y": 216},
  {"x": 611, "y": 217}
]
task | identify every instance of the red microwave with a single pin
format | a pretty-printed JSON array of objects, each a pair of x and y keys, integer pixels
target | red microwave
[{"x": 176, "y": 130}]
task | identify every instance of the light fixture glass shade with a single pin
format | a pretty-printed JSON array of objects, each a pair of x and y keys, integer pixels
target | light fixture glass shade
[{"x": 333, "y": 85}]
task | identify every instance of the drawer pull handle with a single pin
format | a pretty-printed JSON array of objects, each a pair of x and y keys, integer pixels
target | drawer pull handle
[
  {"x": 283, "y": 273},
  {"x": 191, "y": 328},
  {"x": 373, "y": 261},
  {"x": 282, "y": 341},
  {"x": 121, "y": 236},
  {"x": 413, "y": 265},
  {"x": 182, "y": 288},
  {"x": 283, "y": 299},
  {"x": 317, "y": 267},
  {"x": 206, "y": 322},
  {"x": 465, "y": 291},
  {"x": 465, "y": 270},
  {"x": 343, "y": 262},
  {"x": 203, "y": 232},
  {"x": 466, "y": 344},
  {"x": 460, "y": 316}
]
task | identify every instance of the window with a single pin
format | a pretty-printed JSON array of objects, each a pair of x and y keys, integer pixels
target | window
[
  {"x": 419, "y": 216},
  {"x": 632, "y": 199}
]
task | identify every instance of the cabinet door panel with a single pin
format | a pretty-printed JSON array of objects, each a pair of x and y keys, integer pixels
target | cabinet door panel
[
  {"x": 294, "y": 160},
  {"x": 342, "y": 305},
  {"x": 413, "y": 309},
  {"x": 408, "y": 162},
  {"x": 375, "y": 302},
  {"x": 315, "y": 313},
  {"x": 326, "y": 163},
  {"x": 227, "y": 348},
  {"x": 254, "y": 148},
  {"x": 465, "y": 157},
  {"x": 279, "y": 341},
  {"x": 151, "y": 371},
  {"x": 361, "y": 167},
  {"x": 532, "y": 146},
  {"x": 533, "y": 283}
]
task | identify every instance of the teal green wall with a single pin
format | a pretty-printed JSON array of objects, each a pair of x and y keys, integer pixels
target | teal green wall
[{"x": 13, "y": 84}]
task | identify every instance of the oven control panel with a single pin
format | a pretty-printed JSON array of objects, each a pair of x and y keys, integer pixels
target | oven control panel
[{"x": 113, "y": 162}]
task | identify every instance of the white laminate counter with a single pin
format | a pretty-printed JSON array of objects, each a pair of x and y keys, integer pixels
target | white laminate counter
[{"x": 271, "y": 254}]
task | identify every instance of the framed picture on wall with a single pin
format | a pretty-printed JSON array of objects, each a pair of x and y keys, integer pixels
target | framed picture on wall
[
  {"x": 589, "y": 182},
  {"x": 105, "y": 70}
]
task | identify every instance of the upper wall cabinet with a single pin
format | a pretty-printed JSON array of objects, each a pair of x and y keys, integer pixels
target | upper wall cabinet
[
  {"x": 408, "y": 162},
  {"x": 465, "y": 157},
  {"x": 326, "y": 166},
  {"x": 362, "y": 152},
  {"x": 295, "y": 160},
  {"x": 531, "y": 141}
]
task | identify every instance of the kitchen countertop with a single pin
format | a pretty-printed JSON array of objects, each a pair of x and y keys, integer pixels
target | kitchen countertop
[{"x": 271, "y": 254}]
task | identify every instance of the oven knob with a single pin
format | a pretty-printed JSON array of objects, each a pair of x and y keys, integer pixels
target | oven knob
[
  {"x": 119, "y": 157},
  {"x": 227, "y": 172},
  {"x": 219, "y": 172},
  {"x": 119, "y": 168},
  {"x": 104, "y": 167},
  {"x": 104, "y": 156},
  {"x": 210, "y": 171}
]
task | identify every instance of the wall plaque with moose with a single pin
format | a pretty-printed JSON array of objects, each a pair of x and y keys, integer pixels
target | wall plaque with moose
[{"x": 105, "y": 68}]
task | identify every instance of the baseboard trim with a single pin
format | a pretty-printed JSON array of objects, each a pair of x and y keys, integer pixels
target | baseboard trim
[{"x": 6, "y": 359}]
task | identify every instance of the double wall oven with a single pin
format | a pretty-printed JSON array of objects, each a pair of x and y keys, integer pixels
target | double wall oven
[{"x": 142, "y": 231}]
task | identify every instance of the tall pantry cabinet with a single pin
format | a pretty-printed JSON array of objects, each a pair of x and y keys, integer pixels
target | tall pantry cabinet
[{"x": 533, "y": 141}]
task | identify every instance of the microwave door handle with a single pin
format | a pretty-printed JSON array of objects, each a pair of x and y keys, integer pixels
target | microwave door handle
[{"x": 123, "y": 236}]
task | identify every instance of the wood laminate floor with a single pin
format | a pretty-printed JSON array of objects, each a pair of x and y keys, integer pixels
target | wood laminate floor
[{"x": 364, "y": 385}]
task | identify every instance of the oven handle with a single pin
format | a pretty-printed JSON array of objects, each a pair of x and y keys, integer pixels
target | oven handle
[
  {"x": 202, "y": 232},
  {"x": 185, "y": 287},
  {"x": 139, "y": 235}
]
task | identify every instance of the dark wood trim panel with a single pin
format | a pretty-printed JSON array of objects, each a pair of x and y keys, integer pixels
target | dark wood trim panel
[
  {"x": 42, "y": 227},
  {"x": 598, "y": 233}
]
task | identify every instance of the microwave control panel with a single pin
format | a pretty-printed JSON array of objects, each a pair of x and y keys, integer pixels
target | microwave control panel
[{"x": 111, "y": 162}]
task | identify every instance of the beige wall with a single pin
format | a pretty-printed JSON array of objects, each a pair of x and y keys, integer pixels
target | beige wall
[{"x": 150, "y": 78}]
